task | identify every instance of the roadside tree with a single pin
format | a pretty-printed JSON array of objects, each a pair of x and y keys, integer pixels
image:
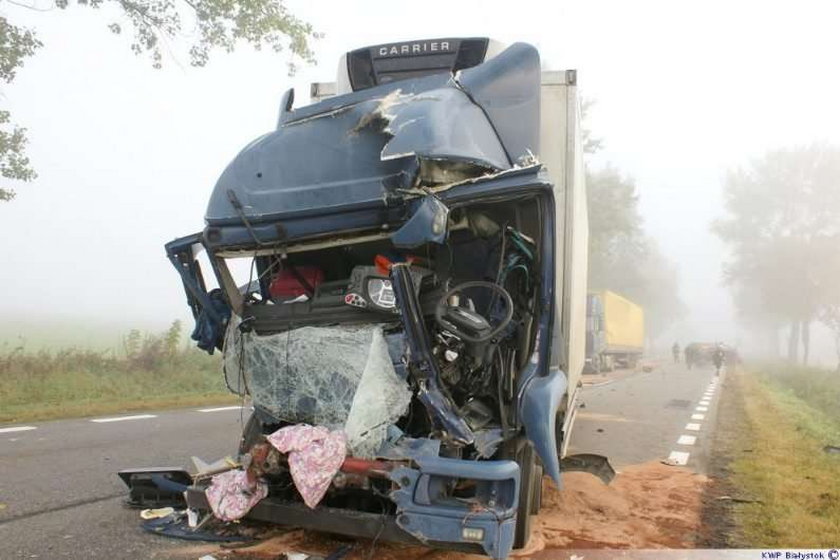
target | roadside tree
[
  {"x": 199, "y": 27},
  {"x": 622, "y": 258},
  {"x": 782, "y": 225}
]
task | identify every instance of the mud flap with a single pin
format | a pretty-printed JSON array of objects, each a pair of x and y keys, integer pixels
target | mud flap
[{"x": 597, "y": 465}]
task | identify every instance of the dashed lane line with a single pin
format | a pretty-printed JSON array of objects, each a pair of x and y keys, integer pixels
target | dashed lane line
[
  {"x": 679, "y": 458},
  {"x": 122, "y": 418},
  {"x": 13, "y": 429},
  {"x": 686, "y": 440},
  {"x": 220, "y": 408}
]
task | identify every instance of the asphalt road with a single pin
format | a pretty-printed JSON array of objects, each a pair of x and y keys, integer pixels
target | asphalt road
[
  {"x": 59, "y": 491},
  {"x": 60, "y": 496},
  {"x": 667, "y": 413}
]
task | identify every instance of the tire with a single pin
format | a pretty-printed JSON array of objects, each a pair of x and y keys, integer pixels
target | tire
[
  {"x": 528, "y": 472},
  {"x": 536, "y": 500}
]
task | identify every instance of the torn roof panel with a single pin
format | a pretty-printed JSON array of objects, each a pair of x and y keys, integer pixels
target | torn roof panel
[
  {"x": 352, "y": 151},
  {"x": 443, "y": 125}
]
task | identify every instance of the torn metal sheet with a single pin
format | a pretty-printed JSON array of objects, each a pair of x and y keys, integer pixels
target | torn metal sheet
[
  {"x": 339, "y": 377},
  {"x": 433, "y": 126}
]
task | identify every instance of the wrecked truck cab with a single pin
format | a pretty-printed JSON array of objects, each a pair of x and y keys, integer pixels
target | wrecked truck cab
[{"x": 415, "y": 286}]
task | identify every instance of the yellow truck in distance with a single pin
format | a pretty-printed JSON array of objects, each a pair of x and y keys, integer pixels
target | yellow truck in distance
[{"x": 615, "y": 332}]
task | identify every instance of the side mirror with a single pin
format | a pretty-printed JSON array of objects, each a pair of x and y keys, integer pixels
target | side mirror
[{"x": 429, "y": 224}]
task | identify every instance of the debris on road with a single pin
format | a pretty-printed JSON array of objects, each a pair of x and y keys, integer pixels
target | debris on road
[
  {"x": 156, "y": 513},
  {"x": 739, "y": 500},
  {"x": 176, "y": 526},
  {"x": 646, "y": 506},
  {"x": 156, "y": 487}
]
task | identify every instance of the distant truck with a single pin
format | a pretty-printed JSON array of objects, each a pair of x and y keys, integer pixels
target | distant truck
[{"x": 615, "y": 332}]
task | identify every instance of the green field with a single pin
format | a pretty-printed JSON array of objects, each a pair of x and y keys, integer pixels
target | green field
[
  {"x": 146, "y": 370},
  {"x": 788, "y": 416}
]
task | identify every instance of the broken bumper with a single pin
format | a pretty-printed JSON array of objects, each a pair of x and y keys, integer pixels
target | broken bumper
[{"x": 425, "y": 513}]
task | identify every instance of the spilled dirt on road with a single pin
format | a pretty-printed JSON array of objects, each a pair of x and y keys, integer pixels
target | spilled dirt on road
[{"x": 650, "y": 505}]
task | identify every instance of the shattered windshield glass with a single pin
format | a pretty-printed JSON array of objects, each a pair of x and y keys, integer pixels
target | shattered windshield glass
[{"x": 338, "y": 377}]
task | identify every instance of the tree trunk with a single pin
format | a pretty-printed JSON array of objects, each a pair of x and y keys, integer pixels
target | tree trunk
[
  {"x": 793, "y": 343},
  {"x": 806, "y": 341}
]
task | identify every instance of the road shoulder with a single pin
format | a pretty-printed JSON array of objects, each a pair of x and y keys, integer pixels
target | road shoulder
[{"x": 774, "y": 484}]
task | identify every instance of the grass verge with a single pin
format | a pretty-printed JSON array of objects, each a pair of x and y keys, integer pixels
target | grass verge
[
  {"x": 779, "y": 465},
  {"x": 150, "y": 371}
]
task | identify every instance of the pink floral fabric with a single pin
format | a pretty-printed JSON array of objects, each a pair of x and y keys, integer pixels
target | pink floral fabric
[
  {"x": 231, "y": 496},
  {"x": 315, "y": 455}
]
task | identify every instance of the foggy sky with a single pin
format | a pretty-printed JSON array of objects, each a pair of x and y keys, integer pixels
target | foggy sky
[{"x": 127, "y": 155}]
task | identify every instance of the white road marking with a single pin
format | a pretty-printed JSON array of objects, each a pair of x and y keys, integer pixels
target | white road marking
[
  {"x": 693, "y": 427},
  {"x": 702, "y": 409},
  {"x": 698, "y": 416},
  {"x": 686, "y": 440},
  {"x": 121, "y": 418},
  {"x": 679, "y": 457},
  {"x": 17, "y": 429},
  {"x": 220, "y": 408},
  {"x": 705, "y": 402}
]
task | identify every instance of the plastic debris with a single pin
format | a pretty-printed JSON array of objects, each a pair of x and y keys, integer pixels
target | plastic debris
[
  {"x": 156, "y": 513},
  {"x": 175, "y": 526}
]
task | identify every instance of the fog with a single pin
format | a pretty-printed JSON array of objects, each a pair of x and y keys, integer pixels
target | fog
[{"x": 127, "y": 155}]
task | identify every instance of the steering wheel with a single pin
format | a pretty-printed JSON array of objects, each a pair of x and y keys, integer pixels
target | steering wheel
[{"x": 442, "y": 306}]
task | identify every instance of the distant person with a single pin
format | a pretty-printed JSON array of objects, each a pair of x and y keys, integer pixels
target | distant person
[
  {"x": 689, "y": 355},
  {"x": 675, "y": 349},
  {"x": 718, "y": 357}
]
